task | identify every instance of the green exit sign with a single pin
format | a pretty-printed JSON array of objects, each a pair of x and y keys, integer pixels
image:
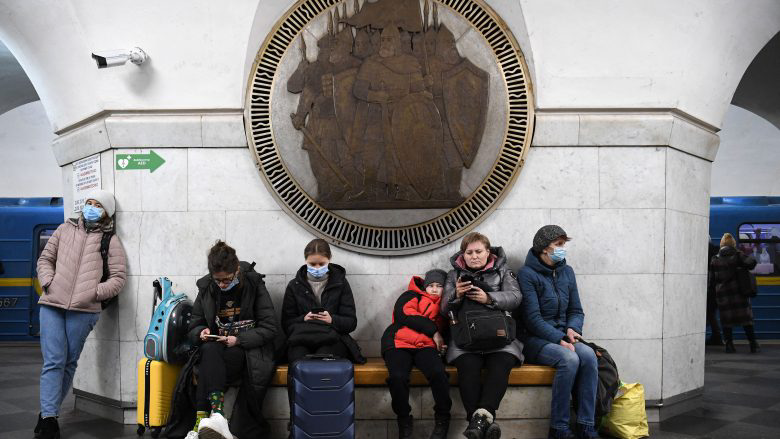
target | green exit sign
[{"x": 132, "y": 162}]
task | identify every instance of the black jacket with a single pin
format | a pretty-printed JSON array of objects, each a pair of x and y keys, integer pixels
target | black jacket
[
  {"x": 246, "y": 420},
  {"x": 336, "y": 298}
]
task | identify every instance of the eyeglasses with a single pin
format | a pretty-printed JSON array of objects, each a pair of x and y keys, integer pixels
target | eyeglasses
[{"x": 226, "y": 280}]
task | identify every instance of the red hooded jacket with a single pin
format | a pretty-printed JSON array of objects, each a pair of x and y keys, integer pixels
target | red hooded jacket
[{"x": 416, "y": 319}]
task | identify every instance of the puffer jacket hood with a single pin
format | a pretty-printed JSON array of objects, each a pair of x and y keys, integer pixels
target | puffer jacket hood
[
  {"x": 70, "y": 267},
  {"x": 416, "y": 319}
]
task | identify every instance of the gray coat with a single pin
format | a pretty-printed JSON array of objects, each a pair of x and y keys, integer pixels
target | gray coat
[{"x": 506, "y": 294}]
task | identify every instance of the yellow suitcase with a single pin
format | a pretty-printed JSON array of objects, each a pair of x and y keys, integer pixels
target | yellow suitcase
[{"x": 156, "y": 383}]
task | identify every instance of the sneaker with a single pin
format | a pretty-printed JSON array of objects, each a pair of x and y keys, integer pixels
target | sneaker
[
  {"x": 214, "y": 427},
  {"x": 191, "y": 435},
  {"x": 49, "y": 429}
]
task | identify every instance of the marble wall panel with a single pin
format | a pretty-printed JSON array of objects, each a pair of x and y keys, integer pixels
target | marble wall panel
[
  {"x": 165, "y": 189},
  {"x": 67, "y": 189},
  {"x": 107, "y": 327},
  {"x": 632, "y": 177},
  {"x": 96, "y": 372},
  {"x": 625, "y": 129},
  {"x": 223, "y": 130},
  {"x": 375, "y": 297},
  {"x": 374, "y": 403},
  {"x": 154, "y": 131},
  {"x": 638, "y": 361},
  {"x": 130, "y": 353},
  {"x": 226, "y": 179},
  {"x": 354, "y": 262},
  {"x": 513, "y": 229},
  {"x": 419, "y": 263},
  {"x": 276, "y": 405},
  {"x": 127, "y": 185},
  {"x": 685, "y": 304},
  {"x": 564, "y": 177},
  {"x": 276, "y": 284},
  {"x": 271, "y": 238},
  {"x": 556, "y": 129},
  {"x": 107, "y": 170},
  {"x": 683, "y": 363},
  {"x": 128, "y": 230},
  {"x": 176, "y": 243},
  {"x": 687, "y": 183},
  {"x": 631, "y": 303},
  {"x": 686, "y": 243},
  {"x": 693, "y": 139},
  {"x": 613, "y": 241}
]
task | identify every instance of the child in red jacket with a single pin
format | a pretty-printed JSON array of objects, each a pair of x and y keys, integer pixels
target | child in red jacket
[{"x": 414, "y": 339}]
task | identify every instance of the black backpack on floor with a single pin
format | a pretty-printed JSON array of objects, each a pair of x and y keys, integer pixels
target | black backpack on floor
[{"x": 609, "y": 380}]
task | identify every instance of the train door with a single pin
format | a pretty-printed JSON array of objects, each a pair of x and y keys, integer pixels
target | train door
[
  {"x": 41, "y": 235},
  {"x": 762, "y": 241}
]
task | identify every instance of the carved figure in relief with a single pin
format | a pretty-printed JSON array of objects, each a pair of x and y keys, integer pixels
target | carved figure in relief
[{"x": 392, "y": 116}]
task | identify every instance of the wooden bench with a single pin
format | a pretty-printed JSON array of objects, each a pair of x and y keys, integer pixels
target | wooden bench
[{"x": 374, "y": 373}]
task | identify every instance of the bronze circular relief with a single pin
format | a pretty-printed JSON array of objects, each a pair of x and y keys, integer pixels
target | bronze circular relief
[{"x": 389, "y": 127}]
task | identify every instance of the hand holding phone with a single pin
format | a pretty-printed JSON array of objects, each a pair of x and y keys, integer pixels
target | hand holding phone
[
  {"x": 317, "y": 310},
  {"x": 212, "y": 337}
]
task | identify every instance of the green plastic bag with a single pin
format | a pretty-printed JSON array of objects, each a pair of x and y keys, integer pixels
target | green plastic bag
[{"x": 627, "y": 419}]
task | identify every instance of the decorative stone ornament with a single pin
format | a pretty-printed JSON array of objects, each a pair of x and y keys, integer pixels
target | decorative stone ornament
[{"x": 391, "y": 127}]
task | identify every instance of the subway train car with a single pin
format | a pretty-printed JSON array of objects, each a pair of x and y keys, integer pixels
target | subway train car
[
  {"x": 26, "y": 224},
  {"x": 755, "y": 222}
]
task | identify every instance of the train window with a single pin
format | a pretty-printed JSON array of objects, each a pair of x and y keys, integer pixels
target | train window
[
  {"x": 762, "y": 241},
  {"x": 43, "y": 239}
]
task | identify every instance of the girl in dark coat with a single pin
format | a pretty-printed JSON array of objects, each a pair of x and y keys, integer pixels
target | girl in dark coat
[
  {"x": 553, "y": 319},
  {"x": 415, "y": 339},
  {"x": 318, "y": 311},
  {"x": 733, "y": 304},
  {"x": 494, "y": 286},
  {"x": 234, "y": 322}
]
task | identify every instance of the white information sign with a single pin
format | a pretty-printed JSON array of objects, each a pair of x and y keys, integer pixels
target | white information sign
[{"x": 86, "y": 177}]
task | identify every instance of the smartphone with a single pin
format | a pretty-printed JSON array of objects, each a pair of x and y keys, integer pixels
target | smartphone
[
  {"x": 318, "y": 310},
  {"x": 466, "y": 278},
  {"x": 213, "y": 337}
]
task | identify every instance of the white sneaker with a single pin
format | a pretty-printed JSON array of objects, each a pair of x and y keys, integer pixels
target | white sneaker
[
  {"x": 191, "y": 435},
  {"x": 214, "y": 427}
]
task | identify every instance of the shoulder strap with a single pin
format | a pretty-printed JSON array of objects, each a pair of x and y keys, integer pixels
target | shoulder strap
[{"x": 105, "y": 241}]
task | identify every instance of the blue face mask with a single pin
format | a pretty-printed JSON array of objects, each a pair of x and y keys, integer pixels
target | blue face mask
[
  {"x": 91, "y": 213},
  {"x": 317, "y": 272},
  {"x": 232, "y": 284},
  {"x": 558, "y": 254}
]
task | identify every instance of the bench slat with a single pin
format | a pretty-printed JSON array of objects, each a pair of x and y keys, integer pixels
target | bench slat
[{"x": 374, "y": 373}]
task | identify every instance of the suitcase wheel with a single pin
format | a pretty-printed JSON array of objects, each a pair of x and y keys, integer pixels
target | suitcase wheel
[
  {"x": 140, "y": 431},
  {"x": 155, "y": 431}
]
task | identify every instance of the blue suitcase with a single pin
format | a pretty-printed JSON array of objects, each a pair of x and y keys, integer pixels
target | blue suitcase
[{"x": 323, "y": 404}]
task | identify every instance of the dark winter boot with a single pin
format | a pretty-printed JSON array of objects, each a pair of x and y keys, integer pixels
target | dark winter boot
[
  {"x": 587, "y": 432},
  {"x": 49, "y": 428},
  {"x": 751, "y": 335},
  {"x": 493, "y": 431},
  {"x": 728, "y": 335},
  {"x": 441, "y": 428},
  {"x": 405, "y": 427},
  {"x": 560, "y": 434},
  {"x": 479, "y": 423}
]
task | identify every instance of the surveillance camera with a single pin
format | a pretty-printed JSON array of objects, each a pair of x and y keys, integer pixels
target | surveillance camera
[{"x": 111, "y": 58}]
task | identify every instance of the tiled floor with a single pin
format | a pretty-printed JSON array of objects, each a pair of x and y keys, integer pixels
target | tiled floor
[{"x": 741, "y": 400}]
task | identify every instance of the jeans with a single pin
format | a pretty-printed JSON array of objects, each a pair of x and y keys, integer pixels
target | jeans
[
  {"x": 473, "y": 392},
  {"x": 574, "y": 372},
  {"x": 219, "y": 366},
  {"x": 63, "y": 334},
  {"x": 399, "y": 364}
]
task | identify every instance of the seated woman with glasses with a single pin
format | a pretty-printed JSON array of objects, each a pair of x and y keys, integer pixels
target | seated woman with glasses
[{"x": 234, "y": 322}]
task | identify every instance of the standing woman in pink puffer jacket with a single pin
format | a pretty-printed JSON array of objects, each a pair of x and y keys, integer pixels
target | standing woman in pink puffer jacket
[{"x": 70, "y": 271}]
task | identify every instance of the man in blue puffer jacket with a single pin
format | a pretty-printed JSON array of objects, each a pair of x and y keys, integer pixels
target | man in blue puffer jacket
[{"x": 553, "y": 319}]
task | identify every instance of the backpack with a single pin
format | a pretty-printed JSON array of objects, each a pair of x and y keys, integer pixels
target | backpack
[
  {"x": 166, "y": 340},
  {"x": 609, "y": 380},
  {"x": 482, "y": 328}
]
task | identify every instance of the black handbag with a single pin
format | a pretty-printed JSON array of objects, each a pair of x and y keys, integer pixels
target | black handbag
[
  {"x": 746, "y": 282},
  {"x": 481, "y": 328},
  {"x": 312, "y": 334}
]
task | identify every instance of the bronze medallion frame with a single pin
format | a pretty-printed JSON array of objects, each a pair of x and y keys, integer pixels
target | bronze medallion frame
[{"x": 378, "y": 240}]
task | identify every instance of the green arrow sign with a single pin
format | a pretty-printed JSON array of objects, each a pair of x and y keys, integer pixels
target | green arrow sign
[{"x": 127, "y": 162}]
